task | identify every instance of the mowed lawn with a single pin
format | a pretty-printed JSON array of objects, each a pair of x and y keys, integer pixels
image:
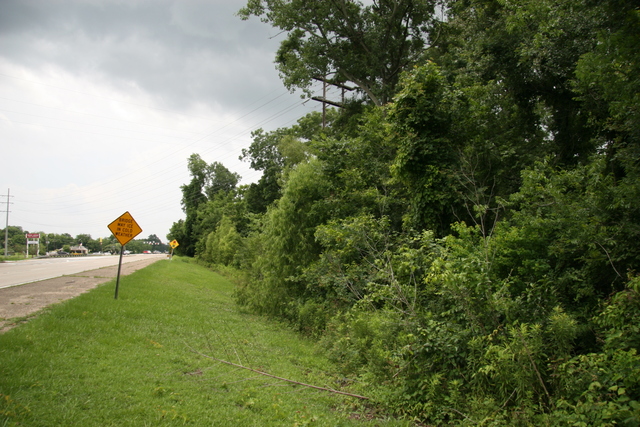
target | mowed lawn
[{"x": 141, "y": 360}]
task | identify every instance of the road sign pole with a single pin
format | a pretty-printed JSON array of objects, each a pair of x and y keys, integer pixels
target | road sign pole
[
  {"x": 124, "y": 228},
  {"x": 119, "y": 267}
]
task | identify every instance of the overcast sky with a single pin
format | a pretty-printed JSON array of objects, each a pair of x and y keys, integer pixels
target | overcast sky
[{"x": 102, "y": 102}]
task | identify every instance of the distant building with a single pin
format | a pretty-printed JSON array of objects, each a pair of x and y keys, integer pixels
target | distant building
[{"x": 79, "y": 250}]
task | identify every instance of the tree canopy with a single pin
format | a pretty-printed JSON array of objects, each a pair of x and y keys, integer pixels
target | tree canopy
[
  {"x": 464, "y": 245},
  {"x": 344, "y": 40}
]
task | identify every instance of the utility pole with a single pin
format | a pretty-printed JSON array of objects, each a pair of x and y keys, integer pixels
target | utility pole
[
  {"x": 6, "y": 228},
  {"x": 324, "y": 99}
]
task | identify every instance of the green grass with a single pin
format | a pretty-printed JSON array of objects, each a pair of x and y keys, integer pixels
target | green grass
[
  {"x": 15, "y": 257},
  {"x": 97, "y": 361}
]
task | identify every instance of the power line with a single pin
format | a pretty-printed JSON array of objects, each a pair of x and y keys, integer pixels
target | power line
[{"x": 100, "y": 195}]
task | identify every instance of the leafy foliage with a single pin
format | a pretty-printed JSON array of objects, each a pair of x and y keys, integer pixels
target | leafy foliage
[
  {"x": 367, "y": 45},
  {"x": 288, "y": 241},
  {"x": 467, "y": 252}
]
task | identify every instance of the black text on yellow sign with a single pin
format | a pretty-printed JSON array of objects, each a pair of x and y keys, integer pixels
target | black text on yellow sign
[{"x": 125, "y": 228}]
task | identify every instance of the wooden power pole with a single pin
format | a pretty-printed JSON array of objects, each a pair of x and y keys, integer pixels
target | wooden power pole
[
  {"x": 6, "y": 228},
  {"x": 326, "y": 101}
]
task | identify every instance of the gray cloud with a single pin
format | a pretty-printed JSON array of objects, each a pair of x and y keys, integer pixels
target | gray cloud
[
  {"x": 102, "y": 102},
  {"x": 181, "y": 51}
]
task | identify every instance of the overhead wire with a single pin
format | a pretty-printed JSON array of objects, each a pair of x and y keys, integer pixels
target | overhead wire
[
  {"x": 239, "y": 135},
  {"x": 210, "y": 134},
  {"x": 210, "y": 149}
]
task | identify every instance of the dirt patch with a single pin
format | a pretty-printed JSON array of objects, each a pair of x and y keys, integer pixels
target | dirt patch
[{"x": 17, "y": 303}]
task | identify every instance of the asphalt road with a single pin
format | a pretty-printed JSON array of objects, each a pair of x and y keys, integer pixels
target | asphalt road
[{"x": 32, "y": 270}]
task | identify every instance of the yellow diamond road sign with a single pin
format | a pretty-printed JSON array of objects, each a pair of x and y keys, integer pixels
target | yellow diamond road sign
[
  {"x": 125, "y": 228},
  {"x": 174, "y": 244}
]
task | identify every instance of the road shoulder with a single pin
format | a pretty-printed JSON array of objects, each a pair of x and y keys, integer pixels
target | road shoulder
[{"x": 19, "y": 303}]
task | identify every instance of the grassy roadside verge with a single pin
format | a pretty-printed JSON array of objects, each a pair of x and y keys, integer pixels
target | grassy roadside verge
[
  {"x": 16, "y": 257},
  {"x": 96, "y": 361}
]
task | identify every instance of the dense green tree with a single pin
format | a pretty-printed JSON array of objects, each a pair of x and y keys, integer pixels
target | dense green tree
[
  {"x": 263, "y": 155},
  {"x": 230, "y": 205},
  {"x": 16, "y": 241},
  {"x": 207, "y": 183},
  {"x": 220, "y": 180},
  {"x": 467, "y": 251},
  {"x": 422, "y": 115},
  {"x": 177, "y": 232},
  {"x": 223, "y": 245},
  {"x": 288, "y": 240},
  {"x": 110, "y": 244},
  {"x": 367, "y": 45},
  {"x": 55, "y": 241},
  {"x": 357, "y": 167},
  {"x": 274, "y": 153},
  {"x": 154, "y": 243},
  {"x": 154, "y": 239},
  {"x": 83, "y": 238},
  {"x": 530, "y": 48},
  {"x": 136, "y": 246},
  {"x": 607, "y": 79},
  {"x": 261, "y": 194},
  {"x": 192, "y": 197}
]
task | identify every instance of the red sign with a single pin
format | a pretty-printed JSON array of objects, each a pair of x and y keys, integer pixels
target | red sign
[{"x": 33, "y": 235}]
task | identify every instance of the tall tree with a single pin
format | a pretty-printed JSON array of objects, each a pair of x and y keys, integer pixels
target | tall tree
[
  {"x": 367, "y": 45},
  {"x": 208, "y": 183},
  {"x": 531, "y": 49},
  {"x": 192, "y": 197},
  {"x": 273, "y": 153},
  {"x": 288, "y": 239},
  {"x": 422, "y": 118},
  {"x": 177, "y": 232},
  {"x": 220, "y": 179},
  {"x": 608, "y": 81},
  {"x": 153, "y": 238}
]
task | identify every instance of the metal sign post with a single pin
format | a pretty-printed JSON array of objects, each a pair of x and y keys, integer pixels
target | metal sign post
[
  {"x": 119, "y": 267},
  {"x": 124, "y": 228}
]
